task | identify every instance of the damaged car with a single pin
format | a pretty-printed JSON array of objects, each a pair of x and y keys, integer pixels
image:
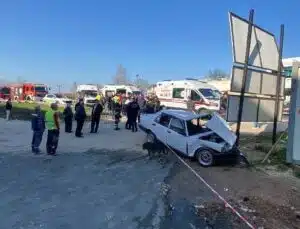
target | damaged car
[{"x": 205, "y": 137}]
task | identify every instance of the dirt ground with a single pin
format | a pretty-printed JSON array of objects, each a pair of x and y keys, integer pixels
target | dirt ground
[{"x": 107, "y": 181}]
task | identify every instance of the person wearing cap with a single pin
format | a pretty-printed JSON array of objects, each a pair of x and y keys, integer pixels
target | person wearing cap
[
  {"x": 38, "y": 128},
  {"x": 96, "y": 115},
  {"x": 80, "y": 116},
  {"x": 53, "y": 126}
]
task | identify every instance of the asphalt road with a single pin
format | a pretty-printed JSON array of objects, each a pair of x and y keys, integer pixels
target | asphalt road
[{"x": 101, "y": 189}]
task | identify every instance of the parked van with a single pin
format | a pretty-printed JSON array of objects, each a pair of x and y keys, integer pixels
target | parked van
[
  {"x": 175, "y": 94},
  {"x": 110, "y": 90}
]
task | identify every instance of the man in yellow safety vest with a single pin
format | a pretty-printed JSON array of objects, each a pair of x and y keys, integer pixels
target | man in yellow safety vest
[{"x": 52, "y": 124}]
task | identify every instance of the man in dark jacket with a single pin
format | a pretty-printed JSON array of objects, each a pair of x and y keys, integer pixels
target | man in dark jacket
[
  {"x": 133, "y": 111},
  {"x": 80, "y": 117},
  {"x": 38, "y": 128},
  {"x": 95, "y": 116},
  {"x": 117, "y": 113},
  {"x": 68, "y": 116},
  {"x": 8, "y": 108}
]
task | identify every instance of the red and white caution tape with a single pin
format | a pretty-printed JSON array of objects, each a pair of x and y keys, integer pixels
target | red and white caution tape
[{"x": 215, "y": 192}]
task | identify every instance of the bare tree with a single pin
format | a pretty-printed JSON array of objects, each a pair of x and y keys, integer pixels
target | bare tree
[
  {"x": 141, "y": 82},
  {"x": 74, "y": 90},
  {"x": 121, "y": 76},
  {"x": 217, "y": 74}
]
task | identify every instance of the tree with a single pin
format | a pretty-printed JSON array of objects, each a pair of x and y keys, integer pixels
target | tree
[
  {"x": 217, "y": 74},
  {"x": 141, "y": 83},
  {"x": 74, "y": 90},
  {"x": 121, "y": 76}
]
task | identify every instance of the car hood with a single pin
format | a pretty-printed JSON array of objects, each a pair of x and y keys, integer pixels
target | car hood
[{"x": 218, "y": 125}]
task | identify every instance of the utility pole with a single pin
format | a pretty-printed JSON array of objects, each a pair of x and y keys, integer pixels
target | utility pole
[{"x": 59, "y": 87}]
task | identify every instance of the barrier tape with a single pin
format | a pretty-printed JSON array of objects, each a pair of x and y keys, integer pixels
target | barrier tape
[{"x": 214, "y": 191}]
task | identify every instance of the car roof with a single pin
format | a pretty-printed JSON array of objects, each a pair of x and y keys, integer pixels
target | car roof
[{"x": 184, "y": 115}]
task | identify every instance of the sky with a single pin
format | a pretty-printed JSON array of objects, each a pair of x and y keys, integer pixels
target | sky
[{"x": 59, "y": 42}]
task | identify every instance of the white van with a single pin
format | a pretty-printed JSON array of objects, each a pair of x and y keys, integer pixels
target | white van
[
  {"x": 175, "y": 94},
  {"x": 110, "y": 90}
]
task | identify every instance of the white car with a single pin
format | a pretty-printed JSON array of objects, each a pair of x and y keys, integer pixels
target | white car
[
  {"x": 52, "y": 98},
  {"x": 203, "y": 136}
]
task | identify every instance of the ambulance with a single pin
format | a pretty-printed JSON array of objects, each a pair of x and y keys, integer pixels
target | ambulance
[
  {"x": 111, "y": 90},
  {"x": 175, "y": 94}
]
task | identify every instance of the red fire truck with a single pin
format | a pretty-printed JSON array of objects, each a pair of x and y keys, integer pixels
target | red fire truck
[{"x": 25, "y": 91}]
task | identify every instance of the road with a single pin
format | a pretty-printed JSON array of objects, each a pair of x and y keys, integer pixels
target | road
[{"x": 101, "y": 181}]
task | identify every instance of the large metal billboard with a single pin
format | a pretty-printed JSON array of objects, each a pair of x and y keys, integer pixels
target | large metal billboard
[
  {"x": 263, "y": 48},
  {"x": 293, "y": 149},
  {"x": 255, "y": 109},
  {"x": 257, "y": 82}
]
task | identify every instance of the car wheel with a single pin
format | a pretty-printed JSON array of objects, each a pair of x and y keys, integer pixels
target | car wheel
[
  {"x": 150, "y": 137},
  {"x": 205, "y": 157}
]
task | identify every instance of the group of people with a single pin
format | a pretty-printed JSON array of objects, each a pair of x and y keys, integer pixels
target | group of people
[
  {"x": 131, "y": 106},
  {"x": 51, "y": 121}
]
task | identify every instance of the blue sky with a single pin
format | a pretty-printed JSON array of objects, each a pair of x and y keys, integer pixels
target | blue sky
[{"x": 62, "y": 41}]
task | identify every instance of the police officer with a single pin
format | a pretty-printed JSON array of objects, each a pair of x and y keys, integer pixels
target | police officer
[
  {"x": 80, "y": 116},
  {"x": 133, "y": 111},
  {"x": 96, "y": 114},
  {"x": 68, "y": 116}
]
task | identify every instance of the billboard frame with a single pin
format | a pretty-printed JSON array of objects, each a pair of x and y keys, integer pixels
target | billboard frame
[
  {"x": 253, "y": 26},
  {"x": 256, "y": 71},
  {"x": 259, "y": 98}
]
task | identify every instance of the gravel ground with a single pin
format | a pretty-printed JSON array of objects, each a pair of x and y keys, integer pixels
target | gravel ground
[{"x": 107, "y": 181}]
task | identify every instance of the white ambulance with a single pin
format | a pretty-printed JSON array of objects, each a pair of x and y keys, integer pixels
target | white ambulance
[
  {"x": 88, "y": 92},
  {"x": 110, "y": 90},
  {"x": 175, "y": 94}
]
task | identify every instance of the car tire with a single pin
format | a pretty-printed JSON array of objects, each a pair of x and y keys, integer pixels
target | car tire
[
  {"x": 205, "y": 157},
  {"x": 150, "y": 137}
]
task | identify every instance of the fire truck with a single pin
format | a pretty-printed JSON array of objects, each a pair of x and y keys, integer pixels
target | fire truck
[{"x": 25, "y": 91}]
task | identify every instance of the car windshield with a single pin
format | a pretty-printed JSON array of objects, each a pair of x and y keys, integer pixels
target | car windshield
[
  {"x": 209, "y": 93},
  {"x": 197, "y": 125},
  {"x": 40, "y": 88},
  {"x": 60, "y": 96},
  {"x": 90, "y": 93}
]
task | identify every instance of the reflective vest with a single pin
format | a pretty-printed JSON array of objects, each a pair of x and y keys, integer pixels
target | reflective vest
[{"x": 50, "y": 123}]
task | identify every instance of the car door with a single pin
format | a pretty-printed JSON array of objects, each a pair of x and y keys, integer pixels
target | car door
[
  {"x": 160, "y": 127},
  {"x": 176, "y": 135}
]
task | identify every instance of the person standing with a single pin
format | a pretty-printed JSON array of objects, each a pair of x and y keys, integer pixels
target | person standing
[
  {"x": 53, "y": 126},
  {"x": 117, "y": 113},
  {"x": 68, "y": 116},
  {"x": 8, "y": 108},
  {"x": 80, "y": 116},
  {"x": 133, "y": 110},
  {"x": 96, "y": 115},
  {"x": 128, "y": 114},
  {"x": 38, "y": 128}
]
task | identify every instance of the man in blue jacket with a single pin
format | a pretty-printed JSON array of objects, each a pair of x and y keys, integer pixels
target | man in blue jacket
[{"x": 38, "y": 128}]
